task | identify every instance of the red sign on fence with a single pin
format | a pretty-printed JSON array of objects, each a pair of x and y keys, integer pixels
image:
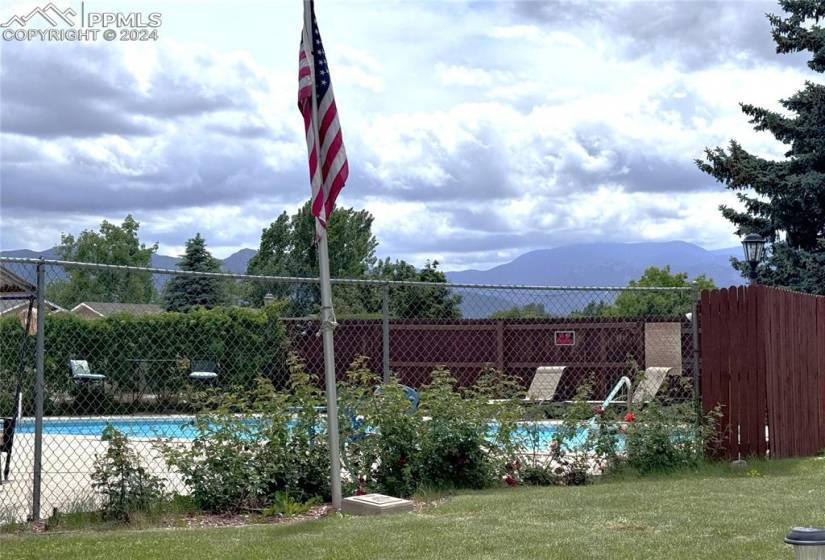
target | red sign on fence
[{"x": 564, "y": 338}]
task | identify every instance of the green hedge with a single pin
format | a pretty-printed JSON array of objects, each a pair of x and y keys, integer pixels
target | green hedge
[{"x": 245, "y": 344}]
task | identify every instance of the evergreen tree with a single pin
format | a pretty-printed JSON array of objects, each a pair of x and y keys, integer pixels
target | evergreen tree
[
  {"x": 785, "y": 200},
  {"x": 187, "y": 292}
]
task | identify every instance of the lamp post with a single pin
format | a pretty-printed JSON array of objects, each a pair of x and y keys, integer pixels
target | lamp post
[
  {"x": 808, "y": 543},
  {"x": 754, "y": 246}
]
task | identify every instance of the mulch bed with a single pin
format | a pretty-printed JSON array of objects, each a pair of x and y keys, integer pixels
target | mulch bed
[
  {"x": 185, "y": 521},
  {"x": 200, "y": 520},
  {"x": 206, "y": 520}
]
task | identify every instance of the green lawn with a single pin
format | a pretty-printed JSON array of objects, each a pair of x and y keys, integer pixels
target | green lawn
[{"x": 714, "y": 513}]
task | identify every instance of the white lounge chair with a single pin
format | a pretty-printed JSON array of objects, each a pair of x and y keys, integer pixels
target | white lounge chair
[
  {"x": 543, "y": 386},
  {"x": 203, "y": 370},
  {"x": 650, "y": 383},
  {"x": 81, "y": 372}
]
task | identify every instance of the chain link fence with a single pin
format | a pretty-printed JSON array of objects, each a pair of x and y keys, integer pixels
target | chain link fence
[{"x": 108, "y": 351}]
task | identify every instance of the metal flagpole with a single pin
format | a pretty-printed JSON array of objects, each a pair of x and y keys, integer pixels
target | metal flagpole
[
  {"x": 327, "y": 326},
  {"x": 327, "y": 315}
]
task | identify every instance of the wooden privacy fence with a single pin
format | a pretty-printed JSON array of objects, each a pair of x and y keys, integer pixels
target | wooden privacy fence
[
  {"x": 763, "y": 360},
  {"x": 599, "y": 351}
]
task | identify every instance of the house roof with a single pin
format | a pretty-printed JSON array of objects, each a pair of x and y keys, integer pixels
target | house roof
[
  {"x": 13, "y": 285},
  {"x": 13, "y": 305},
  {"x": 105, "y": 309}
]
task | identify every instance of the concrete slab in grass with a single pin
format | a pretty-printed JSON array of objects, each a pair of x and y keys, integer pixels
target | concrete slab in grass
[{"x": 375, "y": 504}]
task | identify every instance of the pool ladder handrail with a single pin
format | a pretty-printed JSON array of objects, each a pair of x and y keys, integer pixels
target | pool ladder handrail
[{"x": 625, "y": 380}]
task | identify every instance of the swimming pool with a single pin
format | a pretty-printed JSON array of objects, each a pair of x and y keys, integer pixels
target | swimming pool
[
  {"x": 538, "y": 435},
  {"x": 177, "y": 427}
]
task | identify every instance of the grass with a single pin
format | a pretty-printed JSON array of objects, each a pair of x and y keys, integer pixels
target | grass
[{"x": 711, "y": 513}]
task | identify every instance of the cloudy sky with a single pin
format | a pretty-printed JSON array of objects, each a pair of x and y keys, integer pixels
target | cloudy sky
[{"x": 476, "y": 131}]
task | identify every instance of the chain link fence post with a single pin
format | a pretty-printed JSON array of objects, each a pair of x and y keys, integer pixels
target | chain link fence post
[
  {"x": 385, "y": 331},
  {"x": 38, "y": 393}
]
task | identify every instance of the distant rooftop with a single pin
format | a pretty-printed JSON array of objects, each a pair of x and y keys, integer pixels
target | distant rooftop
[
  {"x": 13, "y": 285},
  {"x": 105, "y": 309},
  {"x": 16, "y": 305}
]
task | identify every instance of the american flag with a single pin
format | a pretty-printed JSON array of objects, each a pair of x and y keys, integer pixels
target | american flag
[{"x": 328, "y": 167}]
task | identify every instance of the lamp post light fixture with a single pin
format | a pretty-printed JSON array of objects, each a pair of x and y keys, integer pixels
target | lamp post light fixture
[
  {"x": 754, "y": 246},
  {"x": 808, "y": 542}
]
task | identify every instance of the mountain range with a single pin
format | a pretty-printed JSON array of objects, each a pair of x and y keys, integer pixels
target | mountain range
[
  {"x": 235, "y": 263},
  {"x": 606, "y": 264},
  {"x": 591, "y": 264}
]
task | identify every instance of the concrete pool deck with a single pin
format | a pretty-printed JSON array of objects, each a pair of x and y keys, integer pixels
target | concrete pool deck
[{"x": 66, "y": 483}]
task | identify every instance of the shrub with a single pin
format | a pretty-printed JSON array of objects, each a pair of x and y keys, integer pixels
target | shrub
[
  {"x": 284, "y": 505},
  {"x": 665, "y": 438},
  {"x": 246, "y": 343},
  {"x": 453, "y": 440},
  {"x": 250, "y": 447},
  {"x": 295, "y": 460},
  {"x": 219, "y": 467},
  {"x": 454, "y": 446},
  {"x": 380, "y": 434},
  {"x": 585, "y": 443},
  {"x": 125, "y": 485},
  {"x": 537, "y": 474}
]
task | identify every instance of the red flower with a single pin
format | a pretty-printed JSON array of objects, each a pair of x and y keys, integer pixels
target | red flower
[
  {"x": 359, "y": 491},
  {"x": 629, "y": 417}
]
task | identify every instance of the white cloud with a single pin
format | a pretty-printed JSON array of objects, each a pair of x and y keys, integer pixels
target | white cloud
[
  {"x": 505, "y": 134},
  {"x": 458, "y": 75}
]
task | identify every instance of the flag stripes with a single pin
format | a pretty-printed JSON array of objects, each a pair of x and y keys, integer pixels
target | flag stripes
[{"x": 328, "y": 166}]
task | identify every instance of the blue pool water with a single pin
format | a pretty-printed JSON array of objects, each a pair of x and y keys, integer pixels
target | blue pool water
[
  {"x": 177, "y": 428},
  {"x": 539, "y": 435}
]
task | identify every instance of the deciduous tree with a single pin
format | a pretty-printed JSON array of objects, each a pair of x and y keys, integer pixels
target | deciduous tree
[
  {"x": 288, "y": 249},
  {"x": 111, "y": 244},
  {"x": 529, "y": 311},
  {"x": 640, "y": 303}
]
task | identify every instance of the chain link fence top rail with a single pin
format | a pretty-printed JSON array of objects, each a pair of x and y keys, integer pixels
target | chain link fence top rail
[{"x": 114, "y": 354}]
